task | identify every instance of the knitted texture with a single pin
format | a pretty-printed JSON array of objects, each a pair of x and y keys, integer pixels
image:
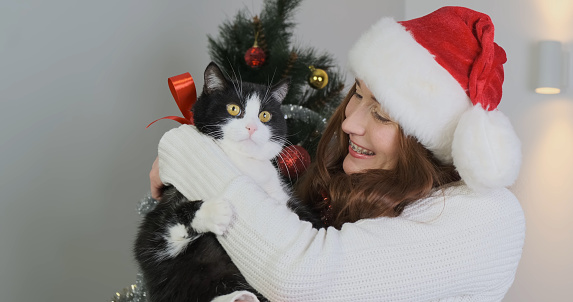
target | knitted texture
[
  {"x": 194, "y": 163},
  {"x": 457, "y": 245},
  {"x": 237, "y": 296}
]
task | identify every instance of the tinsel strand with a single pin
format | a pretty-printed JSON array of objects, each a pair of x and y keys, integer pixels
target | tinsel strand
[
  {"x": 260, "y": 34},
  {"x": 146, "y": 205},
  {"x": 291, "y": 59},
  {"x": 304, "y": 114},
  {"x": 135, "y": 293}
]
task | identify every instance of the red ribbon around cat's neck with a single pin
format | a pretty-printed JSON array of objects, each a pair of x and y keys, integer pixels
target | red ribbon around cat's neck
[{"x": 183, "y": 90}]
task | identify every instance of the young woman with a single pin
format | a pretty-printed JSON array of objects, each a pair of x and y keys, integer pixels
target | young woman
[{"x": 410, "y": 173}]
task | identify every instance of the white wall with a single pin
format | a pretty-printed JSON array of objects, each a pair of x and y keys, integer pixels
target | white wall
[
  {"x": 545, "y": 126},
  {"x": 79, "y": 81}
]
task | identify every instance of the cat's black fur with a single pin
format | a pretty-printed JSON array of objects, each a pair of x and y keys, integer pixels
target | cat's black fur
[{"x": 203, "y": 270}]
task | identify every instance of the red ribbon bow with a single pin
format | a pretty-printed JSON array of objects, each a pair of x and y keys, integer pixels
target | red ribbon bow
[{"x": 183, "y": 90}]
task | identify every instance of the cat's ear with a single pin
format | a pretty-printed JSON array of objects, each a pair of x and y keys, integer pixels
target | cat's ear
[
  {"x": 214, "y": 79},
  {"x": 280, "y": 89}
]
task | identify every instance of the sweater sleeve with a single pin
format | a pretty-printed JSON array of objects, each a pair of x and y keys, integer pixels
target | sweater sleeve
[
  {"x": 194, "y": 163},
  {"x": 451, "y": 246},
  {"x": 467, "y": 247}
]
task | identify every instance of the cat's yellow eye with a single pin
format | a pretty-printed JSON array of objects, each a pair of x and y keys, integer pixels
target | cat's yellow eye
[
  {"x": 233, "y": 109},
  {"x": 265, "y": 116}
]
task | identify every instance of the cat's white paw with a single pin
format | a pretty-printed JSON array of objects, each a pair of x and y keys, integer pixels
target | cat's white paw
[
  {"x": 214, "y": 216},
  {"x": 177, "y": 240}
]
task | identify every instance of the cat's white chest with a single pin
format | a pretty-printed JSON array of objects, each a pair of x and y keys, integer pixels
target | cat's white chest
[{"x": 263, "y": 173}]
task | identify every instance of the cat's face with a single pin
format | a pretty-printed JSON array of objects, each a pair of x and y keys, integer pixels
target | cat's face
[{"x": 245, "y": 116}]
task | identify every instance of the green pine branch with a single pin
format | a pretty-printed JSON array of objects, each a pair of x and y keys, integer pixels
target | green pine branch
[{"x": 276, "y": 24}]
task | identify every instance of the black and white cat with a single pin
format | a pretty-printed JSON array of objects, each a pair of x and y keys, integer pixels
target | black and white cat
[{"x": 179, "y": 261}]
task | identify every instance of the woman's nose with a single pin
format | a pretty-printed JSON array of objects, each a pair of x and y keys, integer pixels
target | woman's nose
[{"x": 355, "y": 122}]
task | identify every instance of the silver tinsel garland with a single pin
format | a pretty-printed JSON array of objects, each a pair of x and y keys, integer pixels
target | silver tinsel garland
[
  {"x": 305, "y": 115},
  {"x": 146, "y": 205},
  {"x": 137, "y": 292}
]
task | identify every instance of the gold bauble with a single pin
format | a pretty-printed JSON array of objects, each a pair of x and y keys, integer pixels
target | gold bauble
[{"x": 318, "y": 78}]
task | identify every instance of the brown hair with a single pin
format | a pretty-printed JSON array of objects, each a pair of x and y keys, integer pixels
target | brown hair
[{"x": 373, "y": 193}]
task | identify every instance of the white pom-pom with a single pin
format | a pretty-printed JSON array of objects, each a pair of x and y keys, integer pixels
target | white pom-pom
[{"x": 486, "y": 150}]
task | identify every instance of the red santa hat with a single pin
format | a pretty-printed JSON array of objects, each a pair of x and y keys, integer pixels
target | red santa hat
[{"x": 440, "y": 77}]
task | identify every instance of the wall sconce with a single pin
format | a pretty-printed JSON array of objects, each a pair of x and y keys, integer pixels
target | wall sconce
[{"x": 551, "y": 67}]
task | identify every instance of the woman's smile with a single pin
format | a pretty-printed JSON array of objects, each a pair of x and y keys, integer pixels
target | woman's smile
[
  {"x": 358, "y": 151},
  {"x": 372, "y": 136}
]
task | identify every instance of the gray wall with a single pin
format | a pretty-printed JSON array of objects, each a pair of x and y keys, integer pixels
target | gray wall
[{"x": 79, "y": 81}]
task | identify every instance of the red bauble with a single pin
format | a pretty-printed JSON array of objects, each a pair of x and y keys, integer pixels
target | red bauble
[
  {"x": 293, "y": 161},
  {"x": 255, "y": 57}
]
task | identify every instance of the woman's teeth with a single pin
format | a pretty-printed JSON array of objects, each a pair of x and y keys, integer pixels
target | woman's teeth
[{"x": 360, "y": 150}]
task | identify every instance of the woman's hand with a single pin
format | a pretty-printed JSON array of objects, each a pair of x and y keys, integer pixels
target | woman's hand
[{"x": 155, "y": 181}]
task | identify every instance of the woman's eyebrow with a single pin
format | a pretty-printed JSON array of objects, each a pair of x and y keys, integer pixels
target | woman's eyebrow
[{"x": 358, "y": 84}]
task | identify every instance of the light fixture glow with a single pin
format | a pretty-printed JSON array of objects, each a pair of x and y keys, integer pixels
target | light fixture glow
[
  {"x": 547, "y": 90},
  {"x": 550, "y": 67}
]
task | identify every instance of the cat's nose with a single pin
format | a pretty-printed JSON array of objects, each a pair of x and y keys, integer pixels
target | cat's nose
[{"x": 251, "y": 128}]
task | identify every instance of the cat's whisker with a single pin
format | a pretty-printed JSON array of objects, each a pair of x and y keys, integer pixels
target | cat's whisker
[
  {"x": 234, "y": 82},
  {"x": 298, "y": 157},
  {"x": 274, "y": 73},
  {"x": 215, "y": 129},
  {"x": 269, "y": 85},
  {"x": 215, "y": 124},
  {"x": 295, "y": 166},
  {"x": 288, "y": 173},
  {"x": 284, "y": 141},
  {"x": 241, "y": 82},
  {"x": 265, "y": 98},
  {"x": 212, "y": 130},
  {"x": 298, "y": 171},
  {"x": 288, "y": 144},
  {"x": 216, "y": 133},
  {"x": 278, "y": 140}
]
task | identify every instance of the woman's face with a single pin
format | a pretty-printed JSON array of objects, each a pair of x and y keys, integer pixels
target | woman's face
[{"x": 373, "y": 136}]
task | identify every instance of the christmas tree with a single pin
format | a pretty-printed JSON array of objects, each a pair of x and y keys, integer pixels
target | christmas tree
[{"x": 258, "y": 49}]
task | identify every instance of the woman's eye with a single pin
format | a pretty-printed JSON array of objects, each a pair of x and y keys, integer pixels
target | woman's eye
[
  {"x": 379, "y": 117},
  {"x": 233, "y": 109},
  {"x": 358, "y": 95},
  {"x": 265, "y": 116}
]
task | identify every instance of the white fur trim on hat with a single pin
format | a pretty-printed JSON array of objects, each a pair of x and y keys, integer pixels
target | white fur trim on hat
[
  {"x": 412, "y": 87},
  {"x": 486, "y": 150}
]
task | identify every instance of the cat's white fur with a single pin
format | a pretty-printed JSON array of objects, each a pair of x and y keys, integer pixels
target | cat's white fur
[
  {"x": 252, "y": 154},
  {"x": 213, "y": 216},
  {"x": 177, "y": 240}
]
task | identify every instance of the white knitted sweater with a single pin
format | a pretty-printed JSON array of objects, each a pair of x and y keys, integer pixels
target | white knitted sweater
[{"x": 456, "y": 245}]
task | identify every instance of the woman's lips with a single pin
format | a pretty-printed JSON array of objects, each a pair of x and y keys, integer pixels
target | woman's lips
[{"x": 358, "y": 151}]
